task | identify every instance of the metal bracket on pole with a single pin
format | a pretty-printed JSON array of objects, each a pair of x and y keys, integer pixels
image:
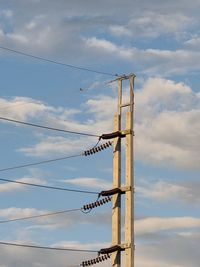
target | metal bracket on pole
[
  {"x": 121, "y": 247},
  {"x": 117, "y": 190}
]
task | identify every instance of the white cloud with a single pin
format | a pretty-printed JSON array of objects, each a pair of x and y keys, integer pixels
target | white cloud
[
  {"x": 13, "y": 212},
  {"x": 89, "y": 182},
  {"x": 162, "y": 191},
  {"x": 22, "y": 108},
  {"x": 167, "y": 251},
  {"x": 150, "y": 61},
  {"x": 152, "y": 24},
  {"x": 119, "y": 30},
  {"x": 167, "y": 124},
  {"x": 193, "y": 43},
  {"x": 9, "y": 186},
  {"x": 56, "y": 145},
  {"x": 156, "y": 224}
]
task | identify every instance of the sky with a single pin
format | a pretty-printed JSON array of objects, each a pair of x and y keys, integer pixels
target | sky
[{"x": 159, "y": 42}]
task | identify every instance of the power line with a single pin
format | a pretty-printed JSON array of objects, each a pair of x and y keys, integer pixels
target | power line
[
  {"x": 39, "y": 216},
  {"x": 91, "y": 151},
  {"x": 47, "y": 127},
  {"x": 39, "y": 163},
  {"x": 49, "y": 187},
  {"x": 47, "y": 248},
  {"x": 57, "y": 62}
]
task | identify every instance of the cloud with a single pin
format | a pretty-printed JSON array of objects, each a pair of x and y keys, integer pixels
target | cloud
[
  {"x": 120, "y": 30},
  {"x": 13, "y": 212},
  {"x": 89, "y": 182},
  {"x": 167, "y": 251},
  {"x": 12, "y": 187},
  {"x": 100, "y": 109},
  {"x": 41, "y": 258},
  {"x": 156, "y": 224},
  {"x": 185, "y": 191},
  {"x": 39, "y": 31},
  {"x": 167, "y": 124},
  {"x": 56, "y": 145},
  {"x": 150, "y": 61},
  {"x": 162, "y": 191},
  {"x": 153, "y": 24},
  {"x": 21, "y": 108},
  {"x": 193, "y": 43}
]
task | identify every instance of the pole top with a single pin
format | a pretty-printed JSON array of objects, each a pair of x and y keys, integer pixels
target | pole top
[
  {"x": 123, "y": 77},
  {"x": 126, "y": 77}
]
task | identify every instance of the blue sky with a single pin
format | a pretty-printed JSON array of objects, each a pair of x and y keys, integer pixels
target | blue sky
[{"x": 156, "y": 40}]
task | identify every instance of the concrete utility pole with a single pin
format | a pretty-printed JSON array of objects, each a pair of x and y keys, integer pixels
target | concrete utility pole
[{"x": 128, "y": 188}]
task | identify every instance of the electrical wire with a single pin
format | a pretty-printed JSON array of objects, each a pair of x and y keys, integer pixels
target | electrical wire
[
  {"x": 84, "y": 209},
  {"x": 47, "y": 248},
  {"x": 57, "y": 62},
  {"x": 49, "y": 187},
  {"x": 39, "y": 163},
  {"x": 85, "y": 153},
  {"x": 47, "y": 127},
  {"x": 39, "y": 216}
]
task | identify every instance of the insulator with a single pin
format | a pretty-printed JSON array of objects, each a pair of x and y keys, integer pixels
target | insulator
[
  {"x": 101, "y": 202},
  {"x": 93, "y": 205},
  {"x": 104, "y": 201},
  {"x": 97, "y": 260},
  {"x": 97, "y": 149}
]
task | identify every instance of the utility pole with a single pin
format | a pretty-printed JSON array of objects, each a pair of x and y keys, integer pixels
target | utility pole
[{"x": 128, "y": 188}]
